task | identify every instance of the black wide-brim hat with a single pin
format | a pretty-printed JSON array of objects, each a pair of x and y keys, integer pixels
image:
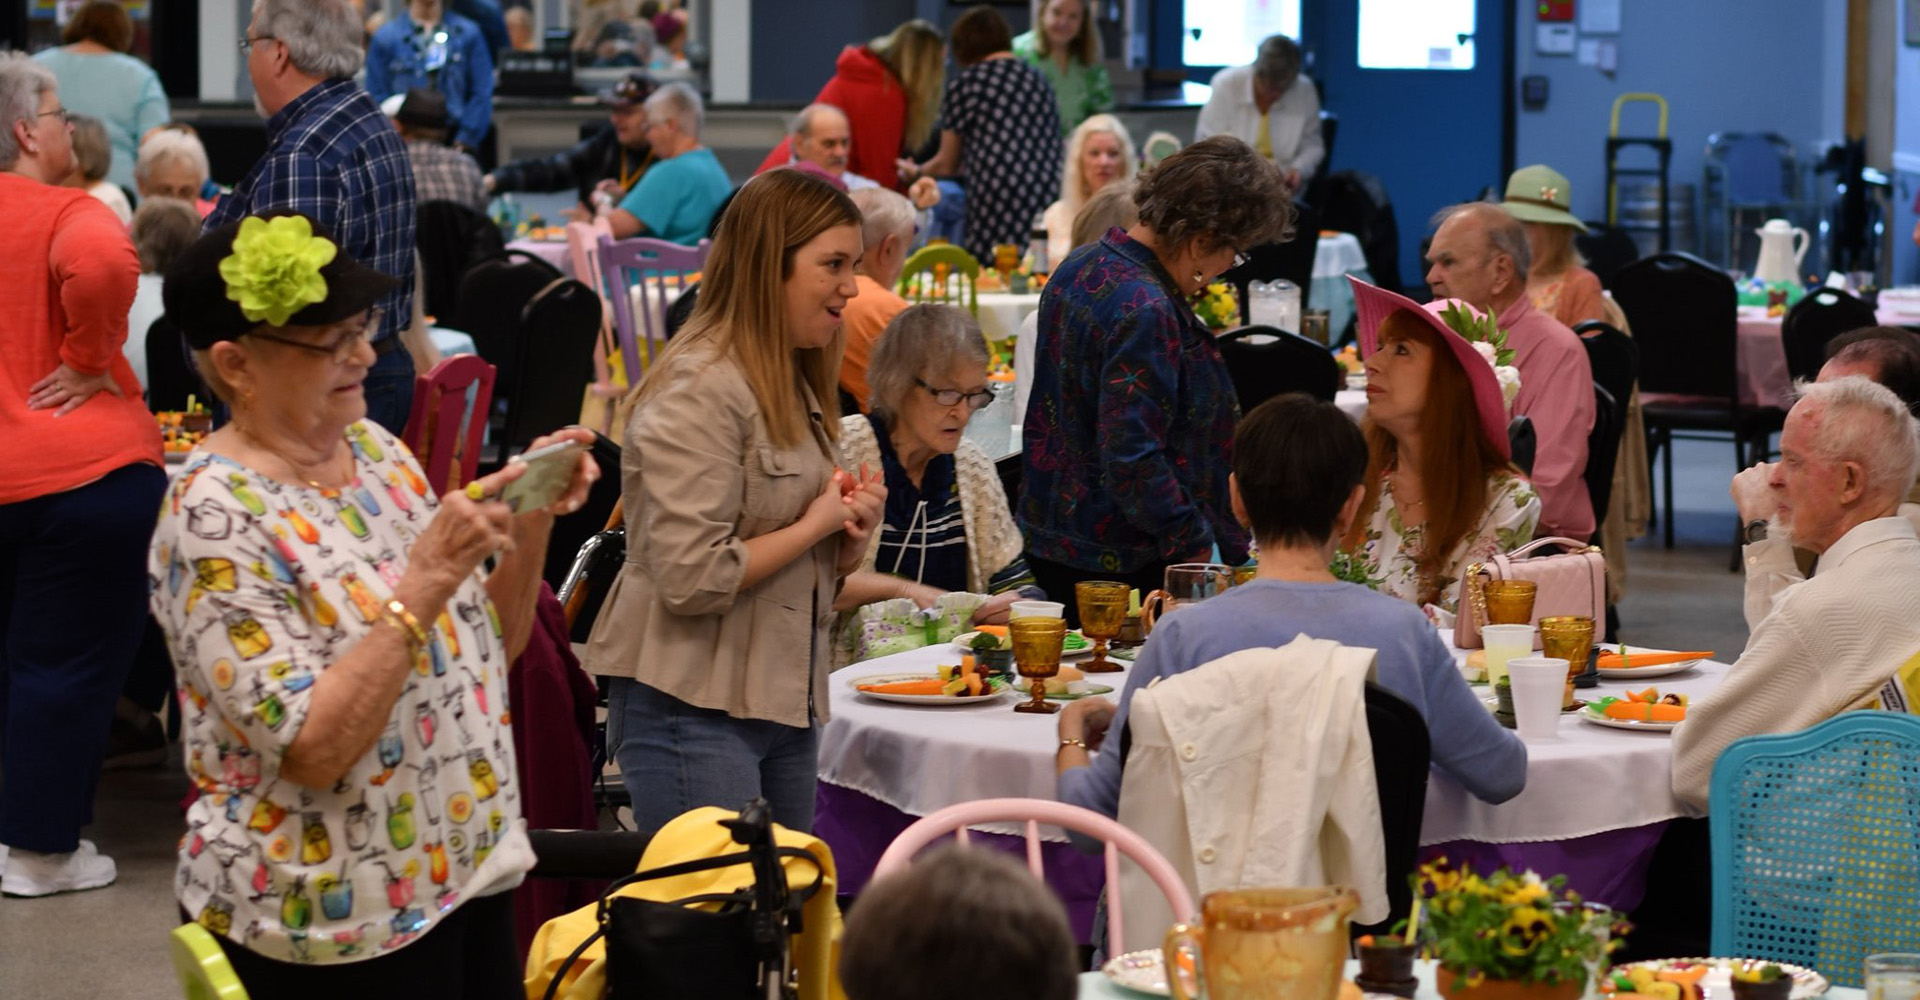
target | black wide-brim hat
[{"x": 195, "y": 294}]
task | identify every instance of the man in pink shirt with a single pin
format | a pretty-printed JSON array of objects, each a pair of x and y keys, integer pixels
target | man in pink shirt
[{"x": 1480, "y": 254}]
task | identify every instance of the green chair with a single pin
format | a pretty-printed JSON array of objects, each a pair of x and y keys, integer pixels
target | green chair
[
  {"x": 960, "y": 266},
  {"x": 205, "y": 973}
]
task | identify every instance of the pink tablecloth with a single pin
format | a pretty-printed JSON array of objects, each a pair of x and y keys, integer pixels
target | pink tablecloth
[
  {"x": 555, "y": 252},
  {"x": 1763, "y": 364}
]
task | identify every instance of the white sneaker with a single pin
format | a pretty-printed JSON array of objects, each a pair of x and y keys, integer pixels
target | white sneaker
[{"x": 33, "y": 874}]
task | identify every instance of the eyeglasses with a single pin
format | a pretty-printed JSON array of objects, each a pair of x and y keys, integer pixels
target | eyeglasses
[
  {"x": 65, "y": 116},
  {"x": 952, "y": 397},
  {"x": 247, "y": 44},
  {"x": 342, "y": 350}
]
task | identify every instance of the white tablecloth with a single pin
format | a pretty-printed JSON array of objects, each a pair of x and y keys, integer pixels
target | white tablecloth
[
  {"x": 450, "y": 342},
  {"x": 1334, "y": 257},
  {"x": 1589, "y": 780},
  {"x": 1096, "y": 985},
  {"x": 1352, "y": 402},
  {"x": 1001, "y": 313}
]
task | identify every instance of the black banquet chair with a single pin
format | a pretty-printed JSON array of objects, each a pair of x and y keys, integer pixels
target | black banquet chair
[
  {"x": 1266, "y": 362},
  {"x": 1814, "y": 321},
  {"x": 1615, "y": 360},
  {"x": 1684, "y": 313},
  {"x": 1401, "y": 751}
]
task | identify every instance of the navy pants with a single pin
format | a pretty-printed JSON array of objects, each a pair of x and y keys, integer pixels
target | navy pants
[
  {"x": 73, "y": 605},
  {"x": 389, "y": 389}
]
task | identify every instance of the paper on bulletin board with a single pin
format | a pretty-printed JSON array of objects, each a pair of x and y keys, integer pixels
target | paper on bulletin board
[
  {"x": 1589, "y": 54},
  {"x": 1600, "y": 17}
]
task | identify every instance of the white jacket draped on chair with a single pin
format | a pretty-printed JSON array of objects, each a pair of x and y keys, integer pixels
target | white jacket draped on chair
[{"x": 1254, "y": 770}]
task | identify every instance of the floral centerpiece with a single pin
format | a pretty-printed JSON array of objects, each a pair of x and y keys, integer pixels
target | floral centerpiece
[
  {"x": 1508, "y": 934},
  {"x": 1348, "y": 567},
  {"x": 1218, "y": 308}
]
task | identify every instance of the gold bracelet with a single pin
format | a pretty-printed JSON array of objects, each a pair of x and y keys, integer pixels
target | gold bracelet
[
  {"x": 1082, "y": 744},
  {"x": 402, "y": 619}
]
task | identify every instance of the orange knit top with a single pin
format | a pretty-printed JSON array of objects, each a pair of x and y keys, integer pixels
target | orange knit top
[{"x": 69, "y": 273}]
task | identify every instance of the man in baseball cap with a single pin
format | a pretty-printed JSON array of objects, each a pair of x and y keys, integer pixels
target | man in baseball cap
[{"x": 611, "y": 160}]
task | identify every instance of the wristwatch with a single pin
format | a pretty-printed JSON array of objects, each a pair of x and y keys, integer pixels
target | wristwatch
[{"x": 1756, "y": 530}]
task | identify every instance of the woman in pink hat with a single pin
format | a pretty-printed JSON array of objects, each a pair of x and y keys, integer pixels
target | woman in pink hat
[{"x": 1441, "y": 487}]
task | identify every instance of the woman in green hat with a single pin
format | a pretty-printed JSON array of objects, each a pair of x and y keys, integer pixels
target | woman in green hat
[{"x": 1558, "y": 282}]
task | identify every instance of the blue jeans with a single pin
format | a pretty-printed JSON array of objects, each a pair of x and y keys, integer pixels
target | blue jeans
[
  {"x": 73, "y": 605},
  {"x": 389, "y": 389},
  {"x": 950, "y": 215},
  {"x": 675, "y": 757}
]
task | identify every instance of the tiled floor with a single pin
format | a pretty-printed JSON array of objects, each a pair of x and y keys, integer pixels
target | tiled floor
[{"x": 112, "y": 943}]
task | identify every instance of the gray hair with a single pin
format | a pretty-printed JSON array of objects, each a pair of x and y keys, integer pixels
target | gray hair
[
  {"x": 1863, "y": 421},
  {"x": 921, "y": 339},
  {"x": 168, "y": 146},
  {"x": 162, "y": 229},
  {"x": 803, "y": 122},
  {"x": 23, "y": 81},
  {"x": 324, "y": 38},
  {"x": 1278, "y": 63},
  {"x": 883, "y": 213},
  {"x": 92, "y": 150},
  {"x": 1505, "y": 234},
  {"x": 680, "y": 103}
]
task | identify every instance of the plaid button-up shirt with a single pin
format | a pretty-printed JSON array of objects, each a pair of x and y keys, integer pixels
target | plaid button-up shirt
[{"x": 333, "y": 157}]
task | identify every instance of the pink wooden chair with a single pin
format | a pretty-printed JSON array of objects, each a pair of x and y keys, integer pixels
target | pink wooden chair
[
  {"x": 651, "y": 266},
  {"x": 583, "y": 255},
  {"x": 1119, "y": 840},
  {"x": 450, "y": 406}
]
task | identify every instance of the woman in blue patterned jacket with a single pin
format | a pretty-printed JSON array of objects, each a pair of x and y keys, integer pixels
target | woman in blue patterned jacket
[{"x": 1128, "y": 435}]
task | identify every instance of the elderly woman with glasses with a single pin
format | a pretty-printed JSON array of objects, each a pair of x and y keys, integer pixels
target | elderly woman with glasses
[
  {"x": 341, "y": 647},
  {"x": 947, "y": 526},
  {"x": 1128, "y": 432}
]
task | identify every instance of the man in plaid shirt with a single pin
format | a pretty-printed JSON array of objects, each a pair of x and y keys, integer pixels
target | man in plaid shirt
[
  {"x": 332, "y": 156},
  {"x": 440, "y": 172}
]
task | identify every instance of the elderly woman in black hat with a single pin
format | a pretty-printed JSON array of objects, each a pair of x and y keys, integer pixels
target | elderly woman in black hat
[{"x": 341, "y": 649}]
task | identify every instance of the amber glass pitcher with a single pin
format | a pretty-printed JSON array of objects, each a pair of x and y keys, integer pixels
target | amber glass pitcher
[{"x": 1262, "y": 944}]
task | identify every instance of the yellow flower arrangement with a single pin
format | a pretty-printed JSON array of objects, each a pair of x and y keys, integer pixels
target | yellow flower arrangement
[
  {"x": 1507, "y": 926},
  {"x": 1218, "y": 308},
  {"x": 274, "y": 270}
]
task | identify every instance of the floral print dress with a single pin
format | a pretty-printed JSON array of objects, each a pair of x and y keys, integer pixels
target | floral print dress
[
  {"x": 1392, "y": 548},
  {"x": 260, "y": 586}
]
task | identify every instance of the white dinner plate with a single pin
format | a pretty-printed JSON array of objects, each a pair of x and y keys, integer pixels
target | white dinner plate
[
  {"x": 1091, "y": 690},
  {"x": 1000, "y": 688},
  {"x": 1718, "y": 981},
  {"x": 1139, "y": 971},
  {"x": 1592, "y": 714},
  {"x": 964, "y": 643},
  {"x": 1634, "y": 673}
]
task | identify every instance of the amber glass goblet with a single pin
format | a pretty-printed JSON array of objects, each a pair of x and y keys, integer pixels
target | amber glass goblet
[
  {"x": 1036, "y": 654},
  {"x": 1103, "y": 609}
]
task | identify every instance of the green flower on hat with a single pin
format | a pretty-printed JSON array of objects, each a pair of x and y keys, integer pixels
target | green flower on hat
[{"x": 274, "y": 270}]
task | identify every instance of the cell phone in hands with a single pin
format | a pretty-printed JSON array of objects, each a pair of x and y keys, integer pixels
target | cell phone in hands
[{"x": 549, "y": 471}]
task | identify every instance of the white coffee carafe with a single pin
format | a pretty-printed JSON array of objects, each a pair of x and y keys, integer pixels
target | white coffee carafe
[{"x": 1782, "y": 246}]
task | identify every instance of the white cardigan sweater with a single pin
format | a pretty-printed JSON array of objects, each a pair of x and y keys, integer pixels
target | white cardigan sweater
[{"x": 1254, "y": 770}]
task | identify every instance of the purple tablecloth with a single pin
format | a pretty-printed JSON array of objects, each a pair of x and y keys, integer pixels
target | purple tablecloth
[
  {"x": 858, "y": 827},
  {"x": 1609, "y": 868}
]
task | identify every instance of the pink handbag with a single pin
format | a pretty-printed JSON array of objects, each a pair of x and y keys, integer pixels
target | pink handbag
[{"x": 1572, "y": 582}]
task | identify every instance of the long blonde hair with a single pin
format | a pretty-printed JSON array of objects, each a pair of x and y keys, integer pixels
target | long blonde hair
[
  {"x": 1085, "y": 45},
  {"x": 1072, "y": 182},
  {"x": 741, "y": 311},
  {"x": 916, "y": 52}
]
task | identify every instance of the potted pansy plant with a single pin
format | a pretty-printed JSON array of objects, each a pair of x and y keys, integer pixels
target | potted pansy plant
[{"x": 1509, "y": 936}]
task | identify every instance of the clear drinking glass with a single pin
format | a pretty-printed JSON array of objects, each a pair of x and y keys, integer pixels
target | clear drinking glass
[{"x": 1893, "y": 976}]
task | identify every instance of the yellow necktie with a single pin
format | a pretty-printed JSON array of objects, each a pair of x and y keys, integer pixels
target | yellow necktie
[{"x": 1262, "y": 141}]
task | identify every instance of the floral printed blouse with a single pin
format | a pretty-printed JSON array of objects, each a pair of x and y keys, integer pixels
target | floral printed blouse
[
  {"x": 1392, "y": 547},
  {"x": 260, "y": 586}
]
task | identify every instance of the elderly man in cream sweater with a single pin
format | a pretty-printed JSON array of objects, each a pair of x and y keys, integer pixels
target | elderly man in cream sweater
[
  {"x": 1887, "y": 355},
  {"x": 1849, "y": 454}
]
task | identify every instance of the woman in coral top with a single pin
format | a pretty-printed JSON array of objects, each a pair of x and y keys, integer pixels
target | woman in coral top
[
  {"x": 78, "y": 502},
  {"x": 889, "y": 90}
]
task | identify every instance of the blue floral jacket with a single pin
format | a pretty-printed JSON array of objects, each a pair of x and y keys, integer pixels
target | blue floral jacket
[{"x": 1128, "y": 437}]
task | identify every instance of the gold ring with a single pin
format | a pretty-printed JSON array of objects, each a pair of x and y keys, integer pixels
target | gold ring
[{"x": 475, "y": 491}]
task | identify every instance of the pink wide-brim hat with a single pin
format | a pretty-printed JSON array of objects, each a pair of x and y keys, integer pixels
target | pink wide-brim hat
[{"x": 1372, "y": 305}]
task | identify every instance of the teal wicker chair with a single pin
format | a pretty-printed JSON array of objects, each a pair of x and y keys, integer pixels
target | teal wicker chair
[{"x": 1816, "y": 844}]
